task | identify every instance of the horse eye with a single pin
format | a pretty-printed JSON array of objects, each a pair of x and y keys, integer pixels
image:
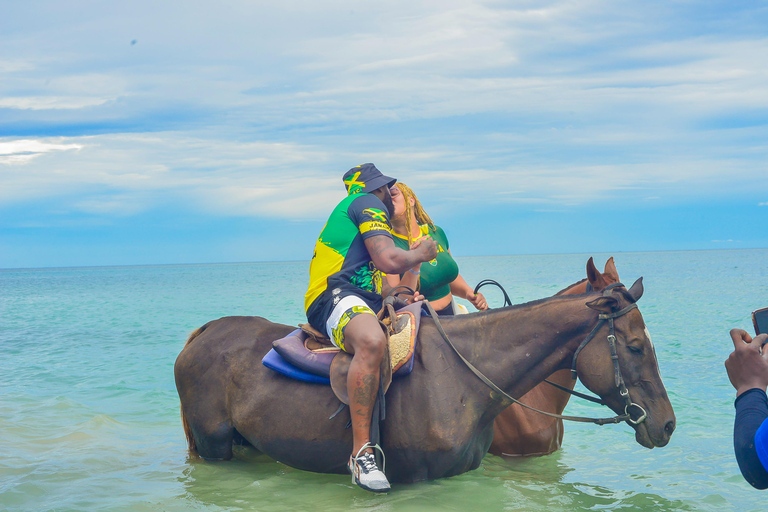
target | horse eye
[{"x": 635, "y": 349}]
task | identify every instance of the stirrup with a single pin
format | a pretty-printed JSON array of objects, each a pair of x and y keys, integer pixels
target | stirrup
[{"x": 375, "y": 447}]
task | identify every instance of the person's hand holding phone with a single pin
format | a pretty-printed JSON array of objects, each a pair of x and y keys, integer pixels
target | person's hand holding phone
[{"x": 747, "y": 365}]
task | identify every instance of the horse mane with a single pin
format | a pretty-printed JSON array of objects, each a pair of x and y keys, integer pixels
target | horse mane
[
  {"x": 536, "y": 302},
  {"x": 570, "y": 286}
]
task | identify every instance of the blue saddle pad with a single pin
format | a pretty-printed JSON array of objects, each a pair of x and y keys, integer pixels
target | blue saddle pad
[{"x": 276, "y": 362}]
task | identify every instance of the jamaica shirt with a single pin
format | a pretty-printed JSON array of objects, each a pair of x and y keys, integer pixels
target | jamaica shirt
[
  {"x": 341, "y": 264},
  {"x": 437, "y": 275}
]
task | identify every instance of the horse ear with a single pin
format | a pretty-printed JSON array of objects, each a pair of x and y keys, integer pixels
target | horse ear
[
  {"x": 604, "y": 304},
  {"x": 592, "y": 272},
  {"x": 610, "y": 269},
  {"x": 637, "y": 289}
]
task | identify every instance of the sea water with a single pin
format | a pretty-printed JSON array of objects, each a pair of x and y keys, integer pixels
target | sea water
[{"x": 89, "y": 414}]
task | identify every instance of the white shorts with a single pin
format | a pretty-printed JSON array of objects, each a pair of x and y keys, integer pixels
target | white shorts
[{"x": 347, "y": 308}]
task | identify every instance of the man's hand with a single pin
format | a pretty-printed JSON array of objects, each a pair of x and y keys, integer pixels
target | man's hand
[
  {"x": 747, "y": 365},
  {"x": 392, "y": 260},
  {"x": 426, "y": 249}
]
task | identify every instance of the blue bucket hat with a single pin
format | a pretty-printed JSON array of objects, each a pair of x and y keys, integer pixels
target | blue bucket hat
[{"x": 365, "y": 178}]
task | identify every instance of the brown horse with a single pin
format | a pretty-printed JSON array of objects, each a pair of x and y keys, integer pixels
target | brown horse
[
  {"x": 439, "y": 419},
  {"x": 518, "y": 431}
]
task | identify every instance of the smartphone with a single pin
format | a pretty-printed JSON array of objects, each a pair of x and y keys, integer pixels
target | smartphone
[{"x": 760, "y": 320}]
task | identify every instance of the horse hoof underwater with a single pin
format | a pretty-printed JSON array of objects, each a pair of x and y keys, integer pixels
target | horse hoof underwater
[{"x": 440, "y": 418}]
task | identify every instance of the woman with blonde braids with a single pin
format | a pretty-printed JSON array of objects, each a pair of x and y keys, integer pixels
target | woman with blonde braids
[{"x": 437, "y": 280}]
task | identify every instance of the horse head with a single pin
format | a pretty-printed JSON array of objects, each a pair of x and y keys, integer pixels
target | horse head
[
  {"x": 599, "y": 281},
  {"x": 636, "y": 371}
]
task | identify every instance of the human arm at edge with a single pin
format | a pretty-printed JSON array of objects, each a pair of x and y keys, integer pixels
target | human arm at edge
[
  {"x": 748, "y": 372},
  {"x": 460, "y": 288},
  {"x": 751, "y": 422},
  {"x": 390, "y": 259}
]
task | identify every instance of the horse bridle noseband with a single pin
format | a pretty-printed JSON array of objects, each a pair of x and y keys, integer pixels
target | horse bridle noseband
[{"x": 618, "y": 379}]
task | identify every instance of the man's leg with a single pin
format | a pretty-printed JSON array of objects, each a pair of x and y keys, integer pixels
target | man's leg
[
  {"x": 365, "y": 340},
  {"x": 353, "y": 327}
]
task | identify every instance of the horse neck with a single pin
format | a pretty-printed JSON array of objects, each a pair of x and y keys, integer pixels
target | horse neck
[
  {"x": 519, "y": 346},
  {"x": 575, "y": 288}
]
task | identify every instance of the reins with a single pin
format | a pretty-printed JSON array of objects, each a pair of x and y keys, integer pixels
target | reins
[{"x": 602, "y": 318}]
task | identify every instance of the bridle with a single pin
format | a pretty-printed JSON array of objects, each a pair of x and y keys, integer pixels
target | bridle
[{"x": 618, "y": 379}]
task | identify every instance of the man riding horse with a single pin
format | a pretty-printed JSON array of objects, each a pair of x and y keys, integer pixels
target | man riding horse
[{"x": 345, "y": 290}]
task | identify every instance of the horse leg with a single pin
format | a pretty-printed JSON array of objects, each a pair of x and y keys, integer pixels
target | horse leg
[
  {"x": 522, "y": 432},
  {"x": 214, "y": 442},
  {"x": 211, "y": 429}
]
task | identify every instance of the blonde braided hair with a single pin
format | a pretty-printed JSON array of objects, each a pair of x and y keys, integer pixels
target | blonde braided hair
[{"x": 421, "y": 216}]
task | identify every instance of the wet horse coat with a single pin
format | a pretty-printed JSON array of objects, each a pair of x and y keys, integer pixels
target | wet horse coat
[{"x": 439, "y": 419}]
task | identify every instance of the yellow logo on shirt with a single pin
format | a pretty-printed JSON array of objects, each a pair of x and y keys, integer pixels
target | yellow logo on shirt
[
  {"x": 374, "y": 226},
  {"x": 376, "y": 214}
]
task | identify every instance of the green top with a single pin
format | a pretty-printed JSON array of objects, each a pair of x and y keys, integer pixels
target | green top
[{"x": 437, "y": 275}]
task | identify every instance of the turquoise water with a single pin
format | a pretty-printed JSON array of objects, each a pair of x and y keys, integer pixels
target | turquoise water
[{"x": 89, "y": 415}]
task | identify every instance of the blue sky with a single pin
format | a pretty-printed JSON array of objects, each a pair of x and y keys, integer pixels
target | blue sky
[{"x": 191, "y": 132}]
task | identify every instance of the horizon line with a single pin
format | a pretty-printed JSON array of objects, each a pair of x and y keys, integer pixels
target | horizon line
[{"x": 131, "y": 265}]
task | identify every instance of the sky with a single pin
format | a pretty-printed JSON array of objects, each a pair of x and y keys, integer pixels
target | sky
[{"x": 199, "y": 132}]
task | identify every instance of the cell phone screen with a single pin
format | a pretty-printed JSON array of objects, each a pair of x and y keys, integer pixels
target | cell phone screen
[{"x": 760, "y": 320}]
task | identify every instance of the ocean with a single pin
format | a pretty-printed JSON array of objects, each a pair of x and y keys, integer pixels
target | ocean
[{"x": 89, "y": 414}]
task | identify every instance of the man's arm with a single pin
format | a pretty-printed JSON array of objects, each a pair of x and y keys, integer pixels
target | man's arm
[
  {"x": 747, "y": 368},
  {"x": 390, "y": 259},
  {"x": 751, "y": 413}
]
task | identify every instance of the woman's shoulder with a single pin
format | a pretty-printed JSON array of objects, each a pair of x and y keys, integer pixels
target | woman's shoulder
[{"x": 438, "y": 231}]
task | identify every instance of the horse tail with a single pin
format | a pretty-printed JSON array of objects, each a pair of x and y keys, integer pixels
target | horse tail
[
  {"x": 191, "y": 445},
  {"x": 195, "y": 334},
  {"x": 184, "y": 423}
]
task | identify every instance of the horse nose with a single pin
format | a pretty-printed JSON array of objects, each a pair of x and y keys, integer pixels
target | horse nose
[{"x": 669, "y": 428}]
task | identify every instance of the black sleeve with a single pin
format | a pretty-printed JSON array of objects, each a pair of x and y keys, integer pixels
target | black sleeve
[
  {"x": 751, "y": 412},
  {"x": 370, "y": 215}
]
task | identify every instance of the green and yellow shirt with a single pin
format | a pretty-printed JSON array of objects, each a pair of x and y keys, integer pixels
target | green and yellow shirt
[
  {"x": 437, "y": 275},
  {"x": 341, "y": 264}
]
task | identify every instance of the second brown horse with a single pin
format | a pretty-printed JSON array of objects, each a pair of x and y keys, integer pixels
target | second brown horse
[{"x": 521, "y": 432}]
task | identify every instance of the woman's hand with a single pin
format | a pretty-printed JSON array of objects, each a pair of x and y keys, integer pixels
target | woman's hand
[
  {"x": 415, "y": 298},
  {"x": 477, "y": 300}
]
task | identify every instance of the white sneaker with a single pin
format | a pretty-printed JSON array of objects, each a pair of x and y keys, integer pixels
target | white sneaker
[{"x": 366, "y": 473}]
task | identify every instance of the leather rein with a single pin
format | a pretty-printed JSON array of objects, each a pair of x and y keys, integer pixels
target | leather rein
[{"x": 618, "y": 379}]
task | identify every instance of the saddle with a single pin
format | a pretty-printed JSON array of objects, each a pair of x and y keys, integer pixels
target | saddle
[{"x": 308, "y": 355}]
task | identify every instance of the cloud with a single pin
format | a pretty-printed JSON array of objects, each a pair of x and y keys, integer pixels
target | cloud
[
  {"x": 50, "y": 102},
  {"x": 762, "y": 204},
  {"x": 125, "y": 174},
  {"x": 257, "y": 109},
  {"x": 120, "y": 175},
  {"x": 22, "y": 151}
]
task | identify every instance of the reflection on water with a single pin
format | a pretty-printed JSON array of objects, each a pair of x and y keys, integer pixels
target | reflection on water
[{"x": 254, "y": 482}]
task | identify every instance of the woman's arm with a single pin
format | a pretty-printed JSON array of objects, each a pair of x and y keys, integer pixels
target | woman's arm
[
  {"x": 460, "y": 288},
  {"x": 410, "y": 278}
]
